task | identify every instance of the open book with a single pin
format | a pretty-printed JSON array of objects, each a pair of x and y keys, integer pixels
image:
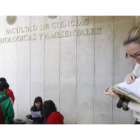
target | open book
[{"x": 129, "y": 91}]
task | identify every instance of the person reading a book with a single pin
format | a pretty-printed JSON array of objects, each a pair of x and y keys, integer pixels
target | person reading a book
[
  {"x": 36, "y": 111},
  {"x": 132, "y": 48}
]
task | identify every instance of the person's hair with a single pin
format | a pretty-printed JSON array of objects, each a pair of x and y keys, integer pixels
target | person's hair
[
  {"x": 3, "y": 79},
  {"x": 48, "y": 108},
  {"x": 37, "y": 99},
  {"x": 133, "y": 35},
  {"x": 3, "y": 85}
]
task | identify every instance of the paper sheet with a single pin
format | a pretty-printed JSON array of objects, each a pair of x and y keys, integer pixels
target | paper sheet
[
  {"x": 35, "y": 114},
  {"x": 134, "y": 87}
]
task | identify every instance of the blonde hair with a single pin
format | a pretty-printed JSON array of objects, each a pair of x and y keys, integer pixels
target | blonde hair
[{"x": 132, "y": 36}]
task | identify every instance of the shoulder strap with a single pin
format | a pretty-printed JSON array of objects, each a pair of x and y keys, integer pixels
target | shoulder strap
[{"x": 3, "y": 98}]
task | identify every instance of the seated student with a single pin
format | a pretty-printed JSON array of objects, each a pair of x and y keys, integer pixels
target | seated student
[
  {"x": 37, "y": 108},
  {"x": 9, "y": 91},
  {"x": 50, "y": 114},
  {"x": 6, "y": 108}
]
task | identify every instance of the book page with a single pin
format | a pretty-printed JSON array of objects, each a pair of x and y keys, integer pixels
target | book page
[
  {"x": 35, "y": 114},
  {"x": 134, "y": 87}
]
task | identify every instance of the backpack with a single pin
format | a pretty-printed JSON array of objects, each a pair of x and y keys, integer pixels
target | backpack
[{"x": 1, "y": 100}]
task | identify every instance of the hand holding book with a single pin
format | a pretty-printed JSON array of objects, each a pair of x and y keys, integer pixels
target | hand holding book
[
  {"x": 109, "y": 91},
  {"x": 130, "y": 78},
  {"x": 129, "y": 91}
]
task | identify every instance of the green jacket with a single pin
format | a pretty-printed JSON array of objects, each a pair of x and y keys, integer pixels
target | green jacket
[{"x": 7, "y": 109}]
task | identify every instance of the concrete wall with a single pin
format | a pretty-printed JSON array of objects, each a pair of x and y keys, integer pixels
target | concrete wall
[{"x": 72, "y": 68}]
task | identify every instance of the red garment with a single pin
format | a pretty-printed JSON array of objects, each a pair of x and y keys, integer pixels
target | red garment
[
  {"x": 11, "y": 94},
  {"x": 55, "y": 118}
]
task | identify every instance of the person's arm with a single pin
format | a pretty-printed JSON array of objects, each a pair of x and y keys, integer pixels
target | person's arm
[
  {"x": 130, "y": 105},
  {"x": 10, "y": 112},
  {"x": 130, "y": 78},
  {"x": 109, "y": 92},
  {"x": 11, "y": 94},
  {"x": 29, "y": 116},
  {"x": 51, "y": 120}
]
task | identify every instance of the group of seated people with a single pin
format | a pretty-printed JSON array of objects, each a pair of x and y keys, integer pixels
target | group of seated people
[
  {"x": 41, "y": 113},
  {"x": 48, "y": 113}
]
